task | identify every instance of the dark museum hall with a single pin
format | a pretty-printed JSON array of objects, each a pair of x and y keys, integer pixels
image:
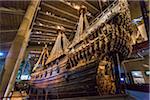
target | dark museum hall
[{"x": 74, "y": 50}]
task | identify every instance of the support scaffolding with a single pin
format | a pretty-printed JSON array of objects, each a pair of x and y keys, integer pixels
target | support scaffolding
[{"x": 17, "y": 50}]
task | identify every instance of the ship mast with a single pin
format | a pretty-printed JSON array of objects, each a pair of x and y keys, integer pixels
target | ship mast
[
  {"x": 60, "y": 46},
  {"x": 82, "y": 26},
  {"x": 41, "y": 60}
]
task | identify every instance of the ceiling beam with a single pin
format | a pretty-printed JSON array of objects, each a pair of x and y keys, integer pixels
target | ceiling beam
[
  {"x": 12, "y": 11},
  {"x": 44, "y": 30},
  {"x": 41, "y": 39},
  {"x": 55, "y": 23},
  {"x": 8, "y": 31},
  {"x": 56, "y": 17},
  {"x": 90, "y": 5},
  {"x": 100, "y": 5},
  {"x": 61, "y": 11},
  {"x": 46, "y": 34},
  {"x": 44, "y": 41},
  {"x": 42, "y": 36},
  {"x": 63, "y": 1},
  {"x": 6, "y": 44},
  {"x": 53, "y": 27}
]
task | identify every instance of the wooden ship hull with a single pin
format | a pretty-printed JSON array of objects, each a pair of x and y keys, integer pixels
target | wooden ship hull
[
  {"x": 70, "y": 84},
  {"x": 92, "y": 67}
]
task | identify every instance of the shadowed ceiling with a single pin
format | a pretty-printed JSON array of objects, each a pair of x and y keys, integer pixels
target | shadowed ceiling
[{"x": 50, "y": 14}]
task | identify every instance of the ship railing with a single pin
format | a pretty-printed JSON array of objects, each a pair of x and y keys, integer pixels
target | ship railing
[
  {"x": 103, "y": 12},
  {"x": 104, "y": 16},
  {"x": 101, "y": 18}
]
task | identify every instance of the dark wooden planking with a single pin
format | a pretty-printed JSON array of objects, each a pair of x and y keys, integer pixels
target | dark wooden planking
[{"x": 45, "y": 7}]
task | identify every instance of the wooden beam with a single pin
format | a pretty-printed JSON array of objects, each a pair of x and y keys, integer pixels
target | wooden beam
[
  {"x": 63, "y": 1},
  {"x": 90, "y": 5},
  {"x": 8, "y": 31},
  {"x": 61, "y": 11},
  {"x": 5, "y": 44},
  {"x": 59, "y": 18},
  {"x": 55, "y": 23},
  {"x": 12, "y": 11},
  {"x": 17, "y": 50},
  {"x": 40, "y": 39},
  {"x": 45, "y": 34},
  {"x": 53, "y": 27},
  {"x": 45, "y": 30},
  {"x": 100, "y": 5},
  {"x": 42, "y": 36}
]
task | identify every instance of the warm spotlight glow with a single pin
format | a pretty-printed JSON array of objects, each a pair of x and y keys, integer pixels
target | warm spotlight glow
[
  {"x": 76, "y": 7},
  {"x": 58, "y": 27},
  {"x": 47, "y": 13},
  {"x": 38, "y": 42},
  {"x": 104, "y": 1},
  {"x": 40, "y": 24}
]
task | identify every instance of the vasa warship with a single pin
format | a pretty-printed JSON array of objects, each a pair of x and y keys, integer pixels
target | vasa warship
[{"x": 90, "y": 64}]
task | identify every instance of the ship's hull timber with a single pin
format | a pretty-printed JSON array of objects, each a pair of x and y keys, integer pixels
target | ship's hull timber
[{"x": 78, "y": 82}]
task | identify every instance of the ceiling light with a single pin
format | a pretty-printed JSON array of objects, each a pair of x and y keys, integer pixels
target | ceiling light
[
  {"x": 146, "y": 65},
  {"x": 47, "y": 13},
  {"x": 1, "y": 54},
  {"x": 88, "y": 14},
  {"x": 76, "y": 7},
  {"x": 39, "y": 8},
  {"x": 40, "y": 32},
  {"x": 68, "y": 3},
  {"x": 104, "y": 1},
  {"x": 40, "y": 24},
  {"x": 37, "y": 32},
  {"x": 58, "y": 27},
  {"x": 47, "y": 25}
]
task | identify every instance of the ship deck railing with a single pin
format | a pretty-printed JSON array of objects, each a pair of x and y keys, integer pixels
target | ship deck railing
[
  {"x": 104, "y": 16},
  {"x": 101, "y": 18}
]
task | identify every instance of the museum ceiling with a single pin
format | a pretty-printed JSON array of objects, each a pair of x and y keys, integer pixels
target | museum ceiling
[{"x": 50, "y": 14}]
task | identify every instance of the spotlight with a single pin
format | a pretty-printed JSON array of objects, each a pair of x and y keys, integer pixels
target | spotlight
[{"x": 1, "y": 54}]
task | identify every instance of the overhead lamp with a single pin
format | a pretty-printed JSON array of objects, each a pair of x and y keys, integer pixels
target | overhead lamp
[
  {"x": 68, "y": 3},
  {"x": 40, "y": 24},
  {"x": 39, "y": 8},
  {"x": 36, "y": 32},
  {"x": 40, "y": 32},
  {"x": 47, "y": 13},
  {"x": 146, "y": 65},
  {"x": 38, "y": 42},
  {"x": 58, "y": 27},
  {"x": 76, "y": 7},
  {"x": 1, "y": 54},
  {"x": 47, "y": 25},
  {"x": 88, "y": 14},
  {"x": 104, "y": 1}
]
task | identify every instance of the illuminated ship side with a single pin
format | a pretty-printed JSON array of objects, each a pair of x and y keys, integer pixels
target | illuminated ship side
[{"x": 90, "y": 65}]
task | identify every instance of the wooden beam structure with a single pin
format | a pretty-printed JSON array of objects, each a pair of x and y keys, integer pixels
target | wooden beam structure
[
  {"x": 17, "y": 50},
  {"x": 12, "y": 11},
  {"x": 74, "y": 16}
]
